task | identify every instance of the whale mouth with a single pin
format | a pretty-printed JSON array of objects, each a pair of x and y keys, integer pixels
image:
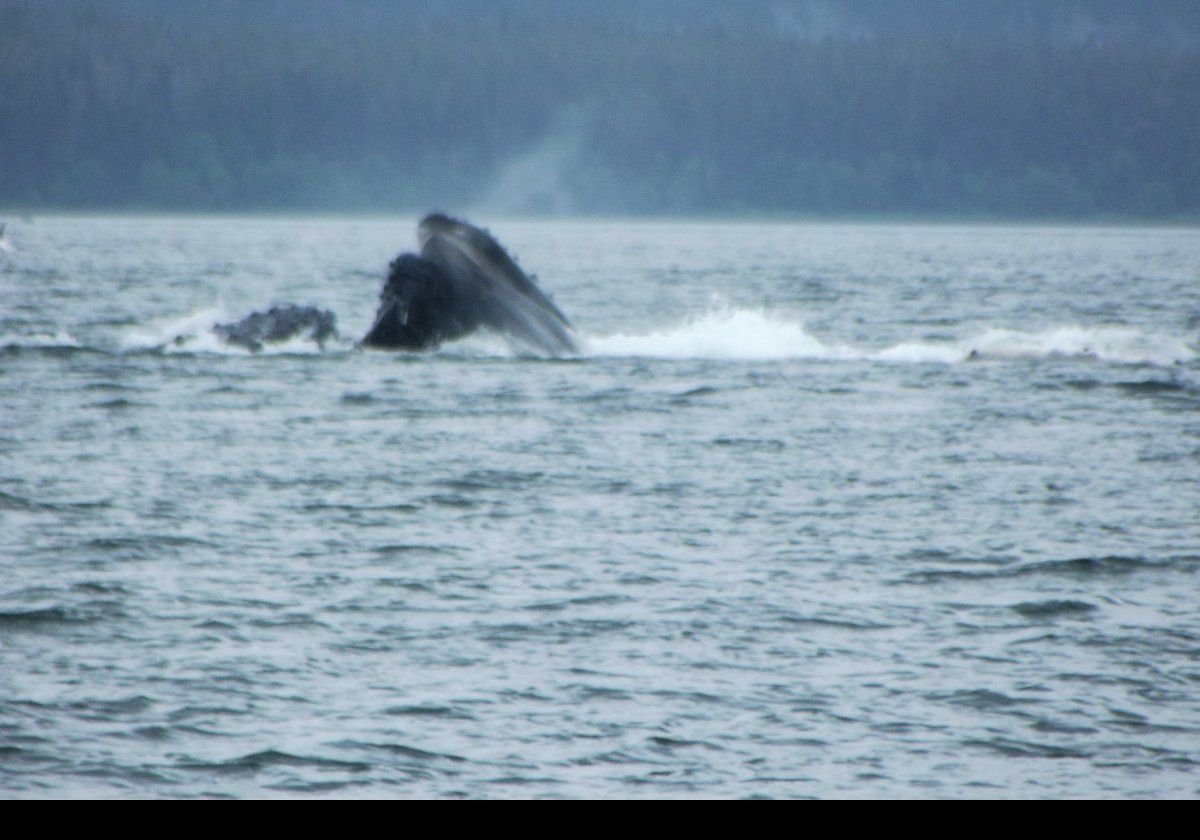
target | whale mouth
[
  {"x": 396, "y": 325},
  {"x": 396, "y": 311}
]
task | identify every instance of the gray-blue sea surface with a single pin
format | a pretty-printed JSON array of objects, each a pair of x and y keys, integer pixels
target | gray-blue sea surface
[{"x": 819, "y": 511}]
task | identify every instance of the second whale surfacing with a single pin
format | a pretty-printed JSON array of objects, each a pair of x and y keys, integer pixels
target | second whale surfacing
[
  {"x": 278, "y": 324},
  {"x": 463, "y": 281}
]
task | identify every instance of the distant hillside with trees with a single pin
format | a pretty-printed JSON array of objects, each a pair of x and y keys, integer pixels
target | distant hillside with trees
[{"x": 994, "y": 108}]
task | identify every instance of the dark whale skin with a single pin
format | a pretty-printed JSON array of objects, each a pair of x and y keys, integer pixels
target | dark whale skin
[{"x": 463, "y": 281}]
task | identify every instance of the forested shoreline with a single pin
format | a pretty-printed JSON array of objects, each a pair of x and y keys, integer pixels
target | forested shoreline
[{"x": 536, "y": 107}]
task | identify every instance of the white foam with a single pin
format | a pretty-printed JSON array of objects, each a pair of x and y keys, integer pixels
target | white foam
[
  {"x": 724, "y": 334},
  {"x": 1110, "y": 344},
  {"x": 739, "y": 334},
  {"x": 39, "y": 340},
  {"x": 922, "y": 352},
  {"x": 483, "y": 345},
  {"x": 190, "y": 333}
]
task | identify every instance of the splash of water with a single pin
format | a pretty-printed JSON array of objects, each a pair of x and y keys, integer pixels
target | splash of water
[
  {"x": 193, "y": 333},
  {"x": 741, "y": 334},
  {"x": 722, "y": 332}
]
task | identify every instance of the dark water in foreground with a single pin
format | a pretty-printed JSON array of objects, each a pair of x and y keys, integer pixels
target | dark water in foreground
[{"x": 821, "y": 511}]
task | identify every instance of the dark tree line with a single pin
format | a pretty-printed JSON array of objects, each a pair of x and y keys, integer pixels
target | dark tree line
[{"x": 1069, "y": 109}]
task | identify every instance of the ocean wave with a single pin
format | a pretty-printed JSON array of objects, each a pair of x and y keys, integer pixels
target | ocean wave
[
  {"x": 742, "y": 334},
  {"x": 39, "y": 341},
  {"x": 1108, "y": 344},
  {"x": 722, "y": 333}
]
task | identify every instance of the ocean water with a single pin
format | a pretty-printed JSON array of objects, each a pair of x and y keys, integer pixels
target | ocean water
[{"x": 820, "y": 511}]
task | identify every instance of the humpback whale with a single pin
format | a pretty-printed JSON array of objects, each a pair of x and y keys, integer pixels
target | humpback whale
[
  {"x": 462, "y": 281},
  {"x": 280, "y": 323}
]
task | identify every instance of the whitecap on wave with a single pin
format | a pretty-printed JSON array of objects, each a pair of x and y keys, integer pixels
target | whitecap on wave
[
  {"x": 720, "y": 333},
  {"x": 740, "y": 334},
  {"x": 723, "y": 334},
  {"x": 1109, "y": 344},
  {"x": 38, "y": 340}
]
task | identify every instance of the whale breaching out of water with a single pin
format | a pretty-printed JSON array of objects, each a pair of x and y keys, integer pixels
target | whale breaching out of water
[{"x": 462, "y": 281}]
